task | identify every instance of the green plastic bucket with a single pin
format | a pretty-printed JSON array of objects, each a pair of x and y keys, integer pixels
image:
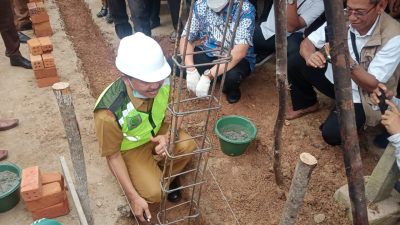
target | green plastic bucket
[
  {"x": 10, "y": 197},
  {"x": 235, "y": 134}
]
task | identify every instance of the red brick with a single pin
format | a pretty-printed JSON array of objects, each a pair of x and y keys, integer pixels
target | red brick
[
  {"x": 45, "y": 82},
  {"x": 31, "y": 184},
  {"x": 35, "y": 47},
  {"x": 46, "y": 44},
  {"x": 37, "y": 62},
  {"x": 37, "y": 12},
  {"x": 50, "y": 177},
  {"x": 48, "y": 60},
  {"x": 42, "y": 29},
  {"x": 46, "y": 72},
  {"x": 52, "y": 194},
  {"x": 57, "y": 210}
]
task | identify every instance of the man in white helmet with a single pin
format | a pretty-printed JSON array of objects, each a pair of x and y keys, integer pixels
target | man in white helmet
[{"x": 129, "y": 119}]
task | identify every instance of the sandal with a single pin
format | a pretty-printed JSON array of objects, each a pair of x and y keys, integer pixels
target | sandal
[
  {"x": 291, "y": 114},
  {"x": 3, "y": 154}
]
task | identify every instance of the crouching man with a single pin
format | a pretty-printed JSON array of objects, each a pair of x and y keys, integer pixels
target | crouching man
[{"x": 129, "y": 119}]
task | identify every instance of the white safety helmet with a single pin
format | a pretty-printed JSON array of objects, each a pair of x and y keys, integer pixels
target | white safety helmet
[
  {"x": 217, "y": 5},
  {"x": 141, "y": 57}
]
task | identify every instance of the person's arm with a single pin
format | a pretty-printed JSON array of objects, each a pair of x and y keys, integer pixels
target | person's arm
[
  {"x": 310, "y": 54},
  {"x": 294, "y": 21},
  {"x": 118, "y": 168},
  {"x": 363, "y": 79},
  {"x": 109, "y": 136},
  {"x": 189, "y": 52},
  {"x": 238, "y": 53}
]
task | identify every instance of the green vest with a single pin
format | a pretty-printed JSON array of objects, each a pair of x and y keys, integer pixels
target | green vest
[{"x": 137, "y": 127}]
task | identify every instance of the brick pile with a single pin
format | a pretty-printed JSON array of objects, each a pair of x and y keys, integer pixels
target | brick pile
[
  {"x": 40, "y": 19},
  {"x": 42, "y": 61},
  {"x": 44, "y": 194}
]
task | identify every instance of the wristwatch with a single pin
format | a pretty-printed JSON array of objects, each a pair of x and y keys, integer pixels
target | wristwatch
[
  {"x": 208, "y": 74},
  {"x": 353, "y": 65}
]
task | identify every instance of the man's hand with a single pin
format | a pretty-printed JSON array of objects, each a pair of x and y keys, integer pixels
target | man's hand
[
  {"x": 192, "y": 78},
  {"x": 161, "y": 144},
  {"x": 203, "y": 86},
  {"x": 391, "y": 119},
  {"x": 140, "y": 206},
  {"x": 374, "y": 96},
  {"x": 316, "y": 60}
]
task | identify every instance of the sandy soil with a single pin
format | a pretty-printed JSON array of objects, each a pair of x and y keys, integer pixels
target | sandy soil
[{"x": 239, "y": 190}]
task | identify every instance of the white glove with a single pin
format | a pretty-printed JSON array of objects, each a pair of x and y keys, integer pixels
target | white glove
[
  {"x": 192, "y": 78},
  {"x": 203, "y": 86}
]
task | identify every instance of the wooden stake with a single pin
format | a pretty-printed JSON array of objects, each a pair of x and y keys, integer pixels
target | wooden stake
[
  {"x": 298, "y": 188},
  {"x": 63, "y": 95},
  {"x": 344, "y": 104},
  {"x": 281, "y": 83},
  {"x": 72, "y": 190}
]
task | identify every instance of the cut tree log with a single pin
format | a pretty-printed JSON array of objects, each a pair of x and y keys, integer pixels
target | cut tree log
[
  {"x": 63, "y": 95},
  {"x": 298, "y": 188}
]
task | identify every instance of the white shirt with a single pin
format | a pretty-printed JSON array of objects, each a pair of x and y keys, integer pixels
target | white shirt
[
  {"x": 309, "y": 10},
  {"x": 382, "y": 65}
]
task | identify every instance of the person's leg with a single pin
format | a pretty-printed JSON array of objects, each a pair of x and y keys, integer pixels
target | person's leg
[
  {"x": 140, "y": 11},
  {"x": 21, "y": 15},
  {"x": 144, "y": 172},
  {"x": 233, "y": 79},
  {"x": 262, "y": 47},
  {"x": 173, "y": 6},
  {"x": 118, "y": 11},
  {"x": 330, "y": 128},
  {"x": 302, "y": 78},
  {"x": 154, "y": 14},
  {"x": 293, "y": 43}
]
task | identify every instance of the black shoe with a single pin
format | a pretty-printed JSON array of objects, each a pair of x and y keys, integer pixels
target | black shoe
[
  {"x": 26, "y": 26},
  {"x": 172, "y": 36},
  {"x": 123, "y": 30},
  {"x": 109, "y": 18},
  {"x": 22, "y": 37},
  {"x": 381, "y": 140},
  {"x": 154, "y": 24},
  {"x": 21, "y": 62},
  {"x": 103, "y": 12},
  {"x": 174, "y": 196},
  {"x": 233, "y": 96}
]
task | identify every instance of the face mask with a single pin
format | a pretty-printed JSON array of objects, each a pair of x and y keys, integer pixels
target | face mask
[{"x": 217, "y": 5}]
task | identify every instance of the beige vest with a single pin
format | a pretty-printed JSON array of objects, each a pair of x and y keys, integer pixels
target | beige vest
[{"x": 386, "y": 29}]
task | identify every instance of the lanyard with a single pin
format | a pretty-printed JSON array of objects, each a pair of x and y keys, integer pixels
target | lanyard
[{"x": 353, "y": 44}]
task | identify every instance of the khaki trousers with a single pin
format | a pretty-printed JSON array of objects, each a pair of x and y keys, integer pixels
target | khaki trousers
[{"x": 146, "y": 173}]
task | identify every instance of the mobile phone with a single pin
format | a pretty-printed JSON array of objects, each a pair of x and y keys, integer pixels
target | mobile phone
[{"x": 382, "y": 104}]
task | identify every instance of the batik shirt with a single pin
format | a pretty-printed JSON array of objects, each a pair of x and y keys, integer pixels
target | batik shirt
[{"x": 208, "y": 26}]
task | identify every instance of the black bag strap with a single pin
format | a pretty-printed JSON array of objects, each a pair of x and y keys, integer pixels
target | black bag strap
[{"x": 353, "y": 44}]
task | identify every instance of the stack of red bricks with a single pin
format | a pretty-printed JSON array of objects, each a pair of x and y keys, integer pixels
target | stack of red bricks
[
  {"x": 44, "y": 194},
  {"x": 42, "y": 61},
  {"x": 39, "y": 18}
]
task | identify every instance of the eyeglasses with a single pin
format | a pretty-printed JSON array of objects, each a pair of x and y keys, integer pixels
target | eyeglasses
[{"x": 357, "y": 12}]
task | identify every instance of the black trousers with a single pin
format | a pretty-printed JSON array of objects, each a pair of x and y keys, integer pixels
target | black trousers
[
  {"x": 142, "y": 11},
  {"x": 302, "y": 79},
  {"x": 263, "y": 47},
  {"x": 8, "y": 30},
  {"x": 233, "y": 77}
]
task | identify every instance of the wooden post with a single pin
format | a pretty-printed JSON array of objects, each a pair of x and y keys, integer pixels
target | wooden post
[
  {"x": 281, "y": 82},
  {"x": 344, "y": 104},
  {"x": 381, "y": 182},
  {"x": 63, "y": 95},
  {"x": 72, "y": 190},
  {"x": 298, "y": 188}
]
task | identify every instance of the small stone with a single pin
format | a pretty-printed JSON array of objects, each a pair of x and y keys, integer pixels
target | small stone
[
  {"x": 99, "y": 204},
  {"x": 319, "y": 218},
  {"x": 287, "y": 122}
]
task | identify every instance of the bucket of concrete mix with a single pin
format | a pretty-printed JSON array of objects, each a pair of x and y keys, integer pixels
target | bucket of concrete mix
[
  {"x": 235, "y": 133},
  {"x": 10, "y": 181}
]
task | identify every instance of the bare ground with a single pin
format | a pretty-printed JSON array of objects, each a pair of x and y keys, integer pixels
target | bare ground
[{"x": 240, "y": 190}]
